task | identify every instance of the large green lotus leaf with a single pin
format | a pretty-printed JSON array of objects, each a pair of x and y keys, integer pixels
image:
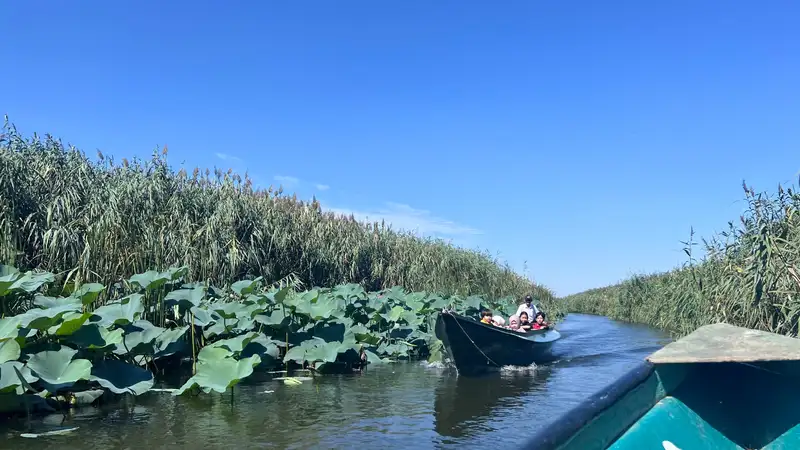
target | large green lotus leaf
[
  {"x": 185, "y": 298},
  {"x": 30, "y": 282},
  {"x": 176, "y": 273},
  {"x": 325, "y": 352},
  {"x": 9, "y": 350},
  {"x": 243, "y": 325},
  {"x": 276, "y": 318},
  {"x": 71, "y": 322},
  {"x": 120, "y": 377},
  {"x": 9, "y": 379},
  {"x": 140, "y": 339},
  {"x": 170, "y": 342},
  {"x": 53, "y": 302},
  {"x": 92, "y": 336},
  {"x": 235, "y": 344},
  {"x": 395, "y": 314},
  {"x": 202, "y": 317},
  {"x": 437, "y": 303},
  {"x": 121, "y": 312},
  {"x": 9, "y": 327},
  {"x": 42, "y": 319},
  {"x": 220, "y": 375},
  {"x": 57, "y": 369},
  {"x": 278, "y": 296},
  {"x": 262, "y": 346},
  {"x": 472, "y": 302},
  {"x": 8, "y": 275},
  {"x": 88, "y": 293},
  {"x": 412, "y": 318},
  {"x": 245, "y": 287},
  {"x": 213, "y": 354},
  {"x": 320, "y": 310},
  {"x": 364, "y": 335},
  {"x": 220, "y": 328},
  {"x": 150, "y": 280},
  {"x": 228, "y": 310}
]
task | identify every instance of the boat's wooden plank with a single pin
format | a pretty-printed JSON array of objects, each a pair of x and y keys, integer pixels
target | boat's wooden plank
[{"x": 722, "y": 342}]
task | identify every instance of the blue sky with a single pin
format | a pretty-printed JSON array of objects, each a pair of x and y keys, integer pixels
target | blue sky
[{"x": 585, "y": 138}]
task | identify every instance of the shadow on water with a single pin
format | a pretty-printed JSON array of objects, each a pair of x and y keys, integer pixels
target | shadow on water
[{"x": 390, "y": 406}]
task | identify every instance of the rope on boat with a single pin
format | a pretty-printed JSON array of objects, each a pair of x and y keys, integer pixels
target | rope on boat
[{"x": 473, "y": 343}]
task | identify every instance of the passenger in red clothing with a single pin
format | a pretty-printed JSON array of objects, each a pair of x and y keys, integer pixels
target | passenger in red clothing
[{"x": 539, "y": 322}]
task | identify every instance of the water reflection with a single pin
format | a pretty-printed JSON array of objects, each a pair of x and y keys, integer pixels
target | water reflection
[{"x": 463, "y": 404}]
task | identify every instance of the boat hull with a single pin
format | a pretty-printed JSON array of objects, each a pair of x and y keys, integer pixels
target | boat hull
[
  {"x": 718, "y": 388},
  {"x": 477, "y": 348}
]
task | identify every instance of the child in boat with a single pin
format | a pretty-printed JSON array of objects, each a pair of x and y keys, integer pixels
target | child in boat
[
  {"x": 513, "y": 323},
  {"x": 523, "y": 321},
  {"x": 486, "y": 317},
  {"x": 539, "y": 323},
  {"x": 498, "y": 321}
]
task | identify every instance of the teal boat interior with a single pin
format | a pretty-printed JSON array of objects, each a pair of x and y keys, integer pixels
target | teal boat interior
[{"x": 721, "y": 387}]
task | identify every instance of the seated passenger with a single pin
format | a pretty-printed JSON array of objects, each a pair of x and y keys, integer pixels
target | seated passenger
[
  {"x": 513, "y": 323},
  {"x": 498, "y": 321},
  {"x": 523, "y": 322},
  {"x": 486, "y": 317},
  {"x": 539, "y": 323}
]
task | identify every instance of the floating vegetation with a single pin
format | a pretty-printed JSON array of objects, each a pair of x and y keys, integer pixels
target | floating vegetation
[{"x": 68, "y": 350}]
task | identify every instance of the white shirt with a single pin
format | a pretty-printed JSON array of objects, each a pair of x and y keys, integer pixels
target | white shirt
[{"x": 531, "y": 310}]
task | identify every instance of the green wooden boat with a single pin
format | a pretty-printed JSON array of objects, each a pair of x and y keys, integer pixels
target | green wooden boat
[{"x": 721, "y": 387}]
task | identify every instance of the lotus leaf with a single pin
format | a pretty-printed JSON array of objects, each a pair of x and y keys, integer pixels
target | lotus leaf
[
  {"x": 120, "y": 377},
  {"x": 53, "y": 302},
  {"x": 71, "y": 322},
  {"x": 88, "y": 293},
  {"x": 228, "y": 310},
  {"x": 235, "y": 344},
  {"x": 276, "y": 318},
  {"x": 202, "y": 317},
  {"x": 30, "y": 282},
  {"x": 170, "y": 342},
  {"x": 279, "y": 296},
  {"x": 185, "y": 298},
  {"x": 140, "y": 339},
  {"x": 220, "y": 328},
  {"x": 316, "y": 350},
  {"x": 42, "y": 319},
  {"x": 9, "y": 350},
  {"x": 372, "y": 358},
  {"x": 92, "y": 336},
  {"x": 262, "y": 346},
  {"x": 9, "y": 378},
  {"x": 9, "y": 327},
  {"x": 220, "y": 375},
  {"x": 57, "y": 369},
  {"x": 213, "y": 354},
  {"x": 321, "y": 309},
  {"x": 8, "y": 275},
  {"x": 244, "y": 287},
  {"x": 122, "y": 312},
  {"x": 150, "y": 280}
]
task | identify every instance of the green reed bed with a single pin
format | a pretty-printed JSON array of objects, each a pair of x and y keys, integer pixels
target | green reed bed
[
  {"x": 100, "y": 220},
  {"x": 80, "y": 344},
  {"x": 749, "y": 276}
]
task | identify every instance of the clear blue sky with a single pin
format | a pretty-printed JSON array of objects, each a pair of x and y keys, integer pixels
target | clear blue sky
[{"x": 584, "y": 137}]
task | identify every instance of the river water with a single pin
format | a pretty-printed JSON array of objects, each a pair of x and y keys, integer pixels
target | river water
[{"x": 391, "y": 406}]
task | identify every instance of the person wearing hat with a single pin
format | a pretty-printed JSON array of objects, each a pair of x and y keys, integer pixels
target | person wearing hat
[{"x": 528, "y": 307}]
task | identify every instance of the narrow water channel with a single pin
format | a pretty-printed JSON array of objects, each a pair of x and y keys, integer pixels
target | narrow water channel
[{"x": 393, "y": 406}]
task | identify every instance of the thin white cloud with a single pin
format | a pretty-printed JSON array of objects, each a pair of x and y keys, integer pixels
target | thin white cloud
[
  {"x": 227, "y": 157},
  {"x": 405, "y": 217},
  {"x": 287, "y": 181},
  {"x": 322, "y": 187}
]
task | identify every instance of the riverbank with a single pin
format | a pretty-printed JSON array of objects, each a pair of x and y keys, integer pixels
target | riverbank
[
  {"x": 749, "y": 276},
  {"x": 67, "y": 345},
  {"x": 100, "y": 220}
]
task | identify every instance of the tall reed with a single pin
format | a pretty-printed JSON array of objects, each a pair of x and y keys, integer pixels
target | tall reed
[
  {"x": 749, "y": 276},
  {"x": 102, "y": 220}
]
